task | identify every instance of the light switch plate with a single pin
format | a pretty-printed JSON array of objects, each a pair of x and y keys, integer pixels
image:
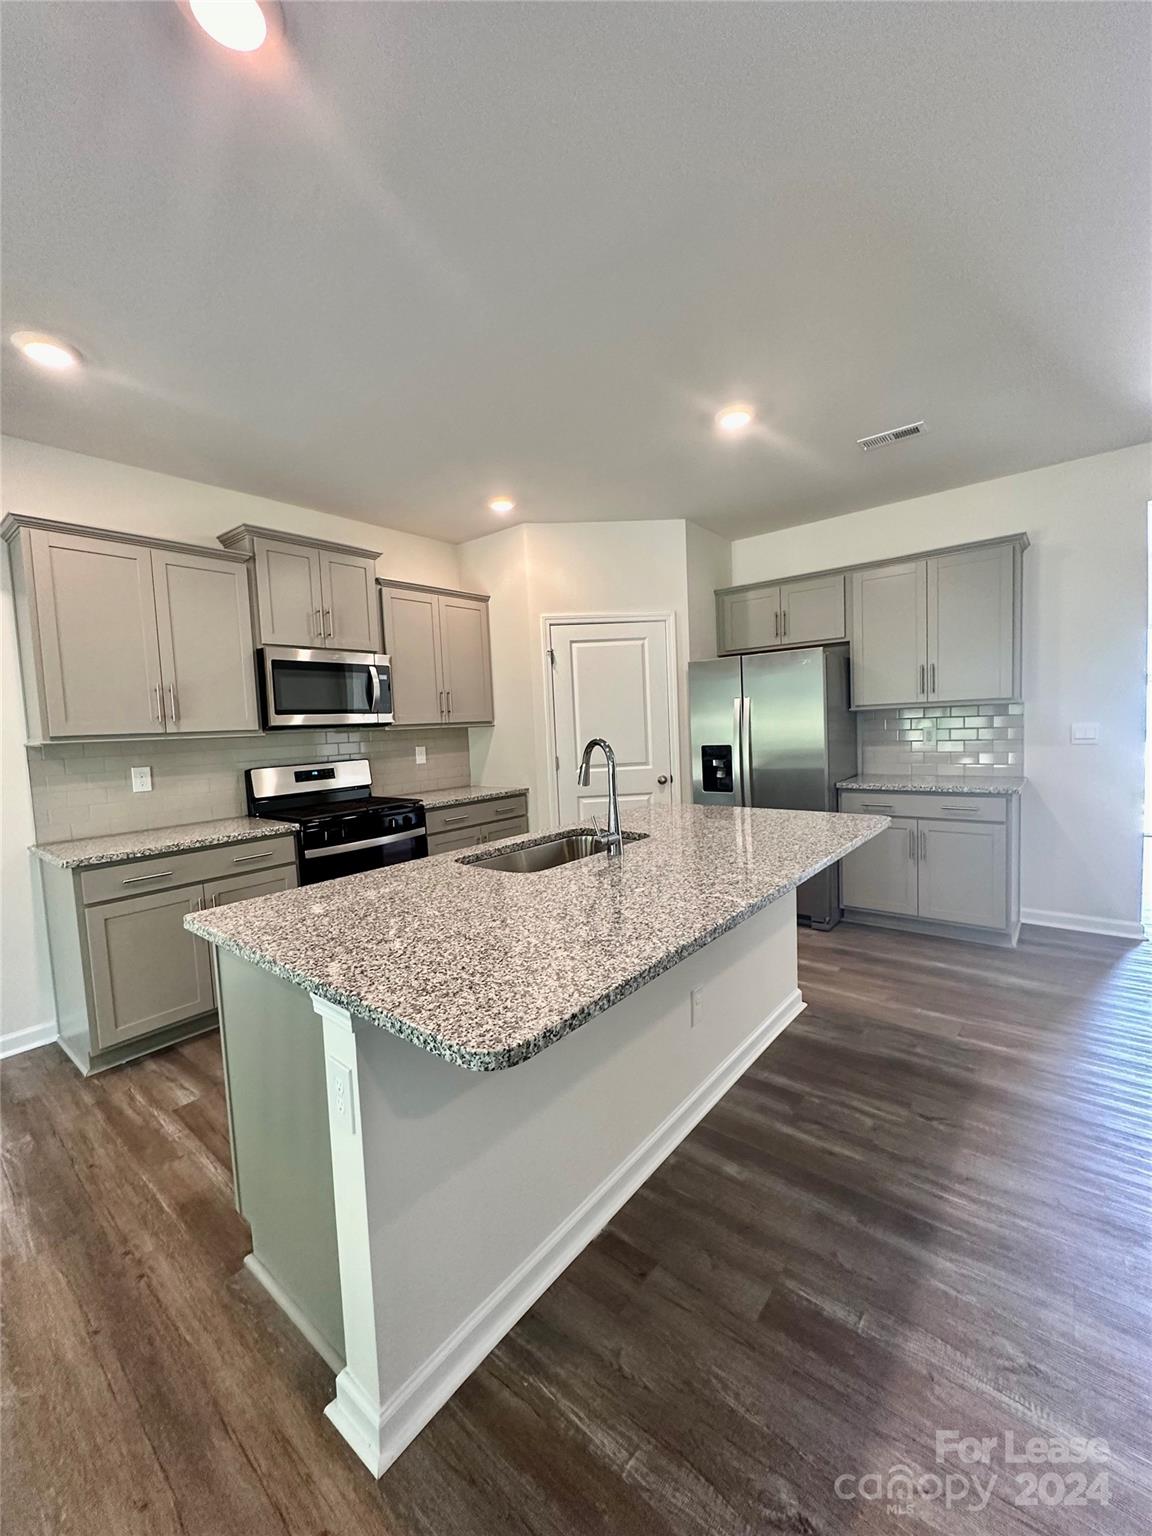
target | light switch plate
[
  {"x": 1084, "y": 733},
  {"x": 141, "y": 780},
  {"x": 421, "y": 754}
]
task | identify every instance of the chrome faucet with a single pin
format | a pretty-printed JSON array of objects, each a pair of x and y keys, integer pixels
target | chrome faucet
[{"x": 612, "y": 838}]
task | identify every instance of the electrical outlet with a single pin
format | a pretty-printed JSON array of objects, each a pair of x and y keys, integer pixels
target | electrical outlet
[
  {"x": 341, "y": 1101},
  {"x": 141, "y": 780},
  {"x": 421, "y": 754}
]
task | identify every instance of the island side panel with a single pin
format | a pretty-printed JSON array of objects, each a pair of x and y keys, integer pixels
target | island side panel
[
  {"x": 281, "y": 1152},
  {"x": 480, "y": 1187}
]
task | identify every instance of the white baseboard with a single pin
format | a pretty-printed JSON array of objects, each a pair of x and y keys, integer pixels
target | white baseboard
[
  {"x": 379, "y": 1438},
  {"x": 27, "y": 1039},
  {"x": 323, "y": 1347},
  {"x": 1078, "y": 922}
]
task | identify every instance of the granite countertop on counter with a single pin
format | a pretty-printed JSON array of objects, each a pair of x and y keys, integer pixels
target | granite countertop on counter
[
  {"x": 486, "y": 968},
  {"x": 118, "y": 847},
  {"x": 463, "y": 794},
  {"x": 896, "y": 783}
]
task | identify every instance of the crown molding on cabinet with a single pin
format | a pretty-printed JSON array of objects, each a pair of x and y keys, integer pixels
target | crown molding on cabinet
[
  {"x": 1020, "y": 539},
  {"x": 15, "y": 521},
  {"x": 241, "y": 538},
  {"x": 420, "y": 586}
]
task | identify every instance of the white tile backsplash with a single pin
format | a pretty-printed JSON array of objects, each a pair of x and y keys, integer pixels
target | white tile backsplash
[{"x": 946, "y": 740}]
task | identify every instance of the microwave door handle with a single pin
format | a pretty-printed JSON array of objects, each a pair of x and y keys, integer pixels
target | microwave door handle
[{"x": 374, "y": 701}]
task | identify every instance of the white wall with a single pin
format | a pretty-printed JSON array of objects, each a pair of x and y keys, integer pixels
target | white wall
[
  {"x": 1085, "y": 642},
  {"x": 581, "y": 568},
  {"x": 71, "y": 487}
]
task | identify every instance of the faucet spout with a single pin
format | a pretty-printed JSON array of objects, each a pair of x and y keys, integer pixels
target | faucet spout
[{"x": 612, "y": 837}]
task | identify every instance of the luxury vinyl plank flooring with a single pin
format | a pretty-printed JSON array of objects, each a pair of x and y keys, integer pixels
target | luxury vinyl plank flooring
[{"x": 926, "y": 1207}]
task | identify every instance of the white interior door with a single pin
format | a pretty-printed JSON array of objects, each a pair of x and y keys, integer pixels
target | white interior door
[{"x": 612, "y": 678}]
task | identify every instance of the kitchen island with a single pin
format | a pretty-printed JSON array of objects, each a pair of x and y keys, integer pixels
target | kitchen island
[{"x": 500, "y": 1060}]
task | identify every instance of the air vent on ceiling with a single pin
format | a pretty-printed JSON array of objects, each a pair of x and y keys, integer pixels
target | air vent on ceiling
[{"x": 896, "y": 435}]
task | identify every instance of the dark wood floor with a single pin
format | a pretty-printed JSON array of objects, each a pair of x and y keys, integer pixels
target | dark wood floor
[{"x": 926, "y": 1207}]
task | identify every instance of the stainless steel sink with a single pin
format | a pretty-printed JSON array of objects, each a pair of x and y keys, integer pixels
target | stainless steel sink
[{"x": 548, "y": 855}]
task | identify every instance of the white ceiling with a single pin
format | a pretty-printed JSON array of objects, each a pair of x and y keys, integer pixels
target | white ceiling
[{"x": 425, "y": 252}]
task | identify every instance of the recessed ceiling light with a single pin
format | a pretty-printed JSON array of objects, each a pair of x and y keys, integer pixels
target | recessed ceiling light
[
  {"x": 46, "y": 351},
  {"x": 237, "y": 24},
  {"x": 501, "y": 505},
  {"x": 734, "y": 418}
]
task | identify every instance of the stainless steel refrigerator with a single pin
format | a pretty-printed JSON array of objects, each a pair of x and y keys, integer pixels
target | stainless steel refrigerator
[{"x": 774, "y": 730}]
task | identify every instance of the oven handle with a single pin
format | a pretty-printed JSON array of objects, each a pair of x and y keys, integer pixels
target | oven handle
[
  {"x": 368, "y": 842},
  {"x": 374, "y": 701}
]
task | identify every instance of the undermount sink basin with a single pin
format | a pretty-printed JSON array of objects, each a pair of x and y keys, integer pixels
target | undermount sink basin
[{"x": 565, "y": 849}]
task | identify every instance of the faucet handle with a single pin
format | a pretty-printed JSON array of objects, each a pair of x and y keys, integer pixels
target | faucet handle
[{"x": 596, "y": 828}]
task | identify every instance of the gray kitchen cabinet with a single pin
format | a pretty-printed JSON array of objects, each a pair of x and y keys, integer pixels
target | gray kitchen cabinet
[
  {"x": 812, "y": 611},
  {"x": 890, "y": 634},
  {"x": 439, "y": 645},
  {"x": 973, "y": 649},
  {"x": 749, "y": 620},
  {"x": 95, "y": 641},
  {"x": 148, "y": 971},
  {"x": 963, "y": 873},
  {"x": 948, "y": 864},
  {"x": 477, "y": 821},
  {"x": 882, "y": 875},
  {"x": 310, "y": 593},
  {"x": 127, "y": 975},
  {"x": 127, "y": 637},
  {"x": 412, "y": 635},
  {"x": 205, "y": 630}
]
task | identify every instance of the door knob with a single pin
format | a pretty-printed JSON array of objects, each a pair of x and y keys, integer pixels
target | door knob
[{"x": 663, "y": 779}]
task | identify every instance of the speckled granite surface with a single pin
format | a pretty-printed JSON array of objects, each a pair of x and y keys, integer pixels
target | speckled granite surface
[
  {"x": 464, "y": 794},
  {"x": 116, "y": 847},
  {"x": 925, "y": 786},
  {"x": 486, "y": 968}
]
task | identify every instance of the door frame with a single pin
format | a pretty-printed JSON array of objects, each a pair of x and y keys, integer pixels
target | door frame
[{"x": 547, "y": 621}]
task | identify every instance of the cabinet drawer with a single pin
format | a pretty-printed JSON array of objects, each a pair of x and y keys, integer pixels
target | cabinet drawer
[
  {"x": 135, "y": 877},
  {"x": 453, "y": 818},
  {"x": 939, "y": 807},
  {"x": 492, "y": 831}
]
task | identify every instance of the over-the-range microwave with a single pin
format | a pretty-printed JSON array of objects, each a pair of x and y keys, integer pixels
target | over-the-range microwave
[{"x": 318, "y": 688}]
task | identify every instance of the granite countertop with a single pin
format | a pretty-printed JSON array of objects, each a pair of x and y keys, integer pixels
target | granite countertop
[
  {"x": 904, "y": 783},
  {"x": 486, "y": 968},
  {"x": 463, "y": 794},
  {"x": 118, "y": 847}
]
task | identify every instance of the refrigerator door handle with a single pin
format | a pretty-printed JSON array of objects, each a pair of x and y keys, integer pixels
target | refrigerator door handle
[
  {"x": 746, "y": 759},
  {"x": 738, "y": 747}
]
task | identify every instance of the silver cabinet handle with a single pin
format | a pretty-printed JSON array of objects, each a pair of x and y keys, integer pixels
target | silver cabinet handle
[
  {"x": 776, "y": 625},
  {"x": 319, "y": 629},
  {"x": 172, "y": 703},
  {"x": 248, "y": 858},
  {"x": 922, "y": 687},
  {"x": 912, "y": 844},
  {"x": 462, "y": 817},
  {"x": 932, "y": 678},
  {"x": 159, "y": 705},
  {"x": 924, "y": 847},
  {"x": 880, "y": 810},
  {"x": 448, "y": 697},
  {"x": 160, "y": 874},
  {"x": 328, "y": 629},
  {"x": 784, "y": 623},
  {"x": 959, "y": 810}
]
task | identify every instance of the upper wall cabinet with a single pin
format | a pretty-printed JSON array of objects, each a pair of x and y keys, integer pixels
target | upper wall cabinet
[
  {"x": 808, "y": 611},
  {"x": 942, "y": 629},
  {"x": 122, "y": 637},
  {"x": 441, "y": 656},
  {"x": 309, "y": 593}
]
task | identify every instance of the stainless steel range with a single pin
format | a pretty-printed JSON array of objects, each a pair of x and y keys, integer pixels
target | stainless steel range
[{"x": 342, "y": 828}]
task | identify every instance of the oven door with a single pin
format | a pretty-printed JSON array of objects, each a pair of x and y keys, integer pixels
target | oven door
[
  {"x": 357, "y": 858},
  {"x": 319, "y": 688}
]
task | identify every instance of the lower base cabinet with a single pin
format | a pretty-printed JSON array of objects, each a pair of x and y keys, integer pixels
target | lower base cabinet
[
  {"x": 480, "y": 821},
  {"x": 952, "y": 865},
  {"x": 129, "y": 977}
]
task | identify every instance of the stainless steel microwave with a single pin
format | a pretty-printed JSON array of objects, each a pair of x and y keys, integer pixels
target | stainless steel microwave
[{"x": 319, "y": 688}]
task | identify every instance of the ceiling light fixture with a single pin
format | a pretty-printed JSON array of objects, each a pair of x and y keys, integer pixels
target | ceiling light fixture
[
  {"x": 237, "y": 24},
  {"x": 734, "y": 418},
  {"x": 46, "y": 351},
  {"x": 501, "y": 505}
]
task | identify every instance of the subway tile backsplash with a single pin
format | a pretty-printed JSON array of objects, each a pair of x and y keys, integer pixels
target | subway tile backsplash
[
  {"x": 953, "y": 741},
  {"x": 84, "y": 790}
]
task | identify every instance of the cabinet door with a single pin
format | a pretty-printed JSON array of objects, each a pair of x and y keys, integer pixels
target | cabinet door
[
  {"x": 412, "y": 640},
  {"x": 889, "y": 634},
  {"x": 971, "y": 625},
  {"x": 749, "y": 621},
  {"x": 812, "y": 611},
  {"x": 99, "y": 652},
  {"x": 265, "y": 882},
  {"x": 206, "y": 654},
  {"x": 963, "y": 873},
  {"x": 452, "y": 842},
  {"x": 881, "y": 876},
  {"x": 467, "y": 660},
  {"x": 350, "y": 614},
  {"x": 289, "y": 604},
  {"x": 148, "y": 971}
]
